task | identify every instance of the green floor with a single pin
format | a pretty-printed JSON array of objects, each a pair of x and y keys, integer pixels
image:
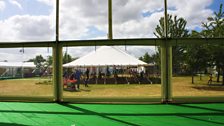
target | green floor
[{"x": 52, "y": 114}]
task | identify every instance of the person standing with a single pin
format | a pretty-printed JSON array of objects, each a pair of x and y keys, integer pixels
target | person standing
[
  {"x": 77, "y": 77},
  {"x": 210, "y": 79},
  {"x": 87, "y": 77}
]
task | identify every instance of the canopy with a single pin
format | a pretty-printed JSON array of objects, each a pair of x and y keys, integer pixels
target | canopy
[
  {"x": 106, "y": 56},
  {"x": 17, "y": 64}
]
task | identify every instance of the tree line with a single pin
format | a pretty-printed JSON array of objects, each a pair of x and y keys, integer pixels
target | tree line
[{"x": 193, "y": 58}]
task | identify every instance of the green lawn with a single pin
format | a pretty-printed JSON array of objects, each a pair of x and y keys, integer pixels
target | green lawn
[{"x": 181, "y": 87}]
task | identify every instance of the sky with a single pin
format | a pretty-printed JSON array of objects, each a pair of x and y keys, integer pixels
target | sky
[{"x": 34, "y": 20}]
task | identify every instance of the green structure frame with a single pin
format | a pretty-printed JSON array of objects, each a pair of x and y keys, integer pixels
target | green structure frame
[{"x": 166, "y": 63}]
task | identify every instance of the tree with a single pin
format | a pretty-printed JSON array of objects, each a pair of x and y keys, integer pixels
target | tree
[
  {"x": 197, "y": 58},
  {"x": 49, "y": 60},
  {"x": 176, "y": 29},
  {"x": 67, "y": 58},
  {"x": 154, "y": 59},
  {"x": 39, "y": 61},
  {"x": 214, "y": 28},
  {"x": 146, "y": 58}
]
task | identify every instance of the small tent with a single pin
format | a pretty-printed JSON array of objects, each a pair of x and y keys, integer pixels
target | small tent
[
  {"x": 13, "y": 69},
  {"x": 17, "y": 65}
]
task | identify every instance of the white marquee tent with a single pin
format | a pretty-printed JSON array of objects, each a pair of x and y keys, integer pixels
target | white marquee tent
[
  {"x": 17, "y": 65},
  {"x": 106, "y": 56}
]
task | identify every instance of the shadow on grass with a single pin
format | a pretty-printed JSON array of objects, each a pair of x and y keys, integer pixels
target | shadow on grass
[
  {"x": 210, "y": 88},
  {"x": 183, "y": 115},
  {"x": 11, "y": 124},
  {"x": 85, "y": 90},
  {"x": 89, "y": 112}
]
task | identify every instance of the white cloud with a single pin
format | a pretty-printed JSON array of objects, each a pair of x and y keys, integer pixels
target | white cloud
[
  {"x": 128, "y": 20},
  {"x": 194, "y": 11},
  {"x": 16, "y": 3},
  {"x": 48, "y": 2},
  {"x": 2, "y": 5},
  {"x": 14, "y": 54},
  {"x": 76, "y": 16},
  {"x": 26, "y": 28}
]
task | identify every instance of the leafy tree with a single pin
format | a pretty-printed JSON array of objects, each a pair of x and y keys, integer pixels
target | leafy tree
[
  {"x": 154, "y": 59},
  {"x": 141, "y": 58},
  {"x": 146, "y": 58},
  {"x": 67, "y": 58},
  {"x": 176, "y": 29},
  {"x": 197, "y": 58},
  {"x": 49, "y": 60},
  {"x": 214, "y": 28},
  {"x": 39, "y": 61}
]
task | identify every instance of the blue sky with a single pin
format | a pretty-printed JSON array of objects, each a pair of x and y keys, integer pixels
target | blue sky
[
  {"x": 215, "y": 5},
  {"x": 29, "y": 7}
]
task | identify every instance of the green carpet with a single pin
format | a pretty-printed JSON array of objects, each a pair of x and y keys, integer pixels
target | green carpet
[{"x": 52, "y": 114}]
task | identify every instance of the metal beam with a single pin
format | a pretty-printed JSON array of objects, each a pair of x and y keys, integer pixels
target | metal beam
[
  {"x": 195, "y": 41},
  {"x": 26, "y": 44},
  {"x": 57, "y": 61},
  {"x": 198, "y": 99},
  {"x": 57, "y": 72},
  {"x": 110, "y": 21},
  {"x": 27, "y": 98},
  {"x": 166, "y": 61},
  {"x": 134, "y": 42},
  {"x": 101, "y": 42},
  {"x": 112, "y": 100}
]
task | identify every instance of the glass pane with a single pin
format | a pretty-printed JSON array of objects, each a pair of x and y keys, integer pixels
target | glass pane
[
  {"x": 27, "y": 20},
  {"x": 111, "y": 71},
  {"x": 198, "y": 71},
  {"x": 83, "y": 19},
  {"x": 195, "y": 18},
  {"x": 26, "y": 72},
  {"x": 136, "y": 18}
]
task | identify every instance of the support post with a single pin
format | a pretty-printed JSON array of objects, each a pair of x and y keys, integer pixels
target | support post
[
  {"x": 166, "y": 62},
  {"x": 57, "y": 61},
  {"x": 57, "y": 72},
  {"x": 110, "y": 21}
]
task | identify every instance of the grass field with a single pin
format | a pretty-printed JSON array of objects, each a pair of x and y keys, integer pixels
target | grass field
[
  {"x": 26, "y": 87},
  {"x": 181, "y": 87}
]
